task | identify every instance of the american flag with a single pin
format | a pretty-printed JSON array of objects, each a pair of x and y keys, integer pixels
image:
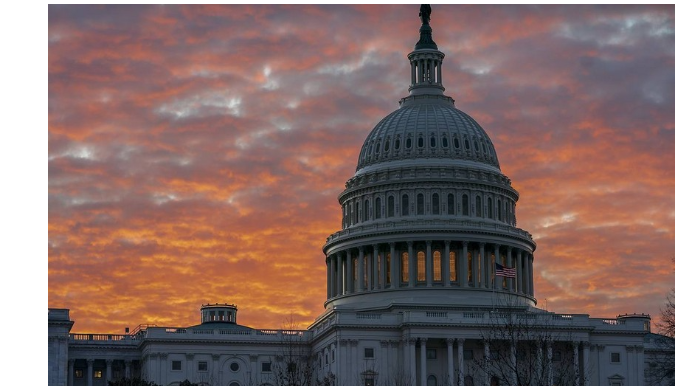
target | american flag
[{"x": 504, "y": 271}]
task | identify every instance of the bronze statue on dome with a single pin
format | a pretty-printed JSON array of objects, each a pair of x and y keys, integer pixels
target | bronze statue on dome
[{"x": 425, "y": 13}]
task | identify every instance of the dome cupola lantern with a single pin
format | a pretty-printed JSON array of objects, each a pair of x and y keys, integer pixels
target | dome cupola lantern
[{"x": 425, "y": 60}]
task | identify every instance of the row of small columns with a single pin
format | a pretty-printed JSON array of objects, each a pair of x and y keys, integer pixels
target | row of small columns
[
  {"x": 341, "y": 276},
  {"x": 430, "y": 67},
  {"x": 89, "y": 371},
  {"x": 410, "y": 358}
]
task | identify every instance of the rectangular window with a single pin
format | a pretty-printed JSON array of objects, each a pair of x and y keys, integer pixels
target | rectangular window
[
  {"x": 78, "y": 373},
  {"x": 431, "y": 353},
  {"x": 98, "y": 373},
  {"x": 265, "y": 367},
  {"x": 368, "y": 381},
  {"x": 368, "y": 353},
  {"x": 615, "y": 357},
  {"x": 468, "y": 355},
  {"x": 557, "y": 356},
  {"x": 176, "y": 365},
  {"x": 493, "y": 354},
  {"x": 202, "y": 366}
]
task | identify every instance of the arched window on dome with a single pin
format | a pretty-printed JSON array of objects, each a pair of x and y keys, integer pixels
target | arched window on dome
[
  {"x": 365, "y": 215},
  {"x": 387, "y": 145},
  {"x": 456, "y": 142},
  {"x": 500, "y": 212},
  {"x": 467, "y": 144},
  {"x": 465, "y": 205},
  {"x": 421, "y": 266},
  {"x": 432, "y": 141},
  {"x": 408, "y": 143},
  {"x": 352, "y": 217},
  {"x": 378, "y": 148},
  {"x": 420, "y": 204},
  {"x": 453, "y": 267},
  {"x": 397, "y": 143},
  {"x": 437, "y": 265},
  {"x": 451, "y": 203},
  {"x": 356, "y": 212},
  {"x": 405, "y": 271},
  {"x": 377, "y": 208},
  {"x": 490, "y": 208},
  {"x": 478, "y": 204},
  {"x": 484, "y": 146},
  {"x": 390, "y": 207},
  {"x": 420, "y": 142},
  {"x": 444, "y": 142},
  {"x": 476, "y": 146},
  {"x": 435, "y": 207},
  {"x": 405, "y": 205},
  {"x": 344, "y": 216}
]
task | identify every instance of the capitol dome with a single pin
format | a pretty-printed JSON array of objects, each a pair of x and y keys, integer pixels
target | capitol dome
[{"x": 428, "y": 218}]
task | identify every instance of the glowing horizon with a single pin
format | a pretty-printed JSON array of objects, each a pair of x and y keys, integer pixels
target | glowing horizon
[{"x": 196, "y": 152}]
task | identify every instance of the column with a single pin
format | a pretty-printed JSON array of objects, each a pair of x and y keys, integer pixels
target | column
[
  {"x": 70, "y": 372},
  {"x": 422, "y": 361},
  {"x": 413, "y": 361},
  {"x": 513, "y": 365},
  {"x": 440, "y": 79},
  {"x": 89, "y": 372},
  {"x": 461, "y": 364},
  {"x": 585, "y": 363},
  {"x": 540, "y": 364},
  {"x": 463, "y": 264},
  {"x": 360, "y": 270},
  {"x": 339, "y": 274},
  {"x": 549, "y": 363},
  {"x": 375, "y": 266},
  {"x": 419, "y": 71},
  {"x": 630, "y": 364},
  {"x": 411, "y": 265},
  {"x": 216, "y": 366},
  {"x": 475, "y": 268},
  {"x": 525, "y": 273},
  {"x": 380, "y": 279},
  {"x": 108, "y": 370},
  {"x": 509, "y": 264},
  {"x": 640, "y": 363},
  {"x": 429, "y": 265},
  {"x": 497, "y": 258},
  {"x": 576, "y": 361},
  {"x": 449, "y": 354},
  {"x": 128, "y": 369},
  {"x": 406, "y": 356},
  {"x": 395, "y": 270},
  {"x": 412, "y": 80},
  {"x": 329, "y": 279},
  {"x": 384, "y": 355},
  {"x": 487, "y": 356},
  {"x": 531, "y": 274},
  {"x": 348, "y": 272},
  {"x": 484, "y": 267},
  {"x": 519, "y": 271},
  {"x": 190, "y": 364},
  {"x": 163, "y": 368},
  {"x": 602, "y": 362},
  {"x": 384, "y": 270},
  {"x": 445, "y": 270}
]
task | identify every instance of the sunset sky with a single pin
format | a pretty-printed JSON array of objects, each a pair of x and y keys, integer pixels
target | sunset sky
[{"x": 195, "y": 153}]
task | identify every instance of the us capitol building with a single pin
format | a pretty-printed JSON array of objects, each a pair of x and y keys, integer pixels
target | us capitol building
[{"x": 429, "y": 283}]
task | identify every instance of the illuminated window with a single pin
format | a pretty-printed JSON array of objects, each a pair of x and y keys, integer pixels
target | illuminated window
[
  {"x": 435, "y": 204},
  {"x": 451, "y": 204},
  {"x": 202, "y": 366},
  {"x": 437, "y": 266},
  {"x": 377, "y": 208},
  {"x": 79, "y": 373},
  {"x": 469, "y": 267},
  {"x": 388, "y": 268},
  {"x": 405, "y": 205},
  {"x": 453, "y": 267},
  {"x": 98, "y": 373},
  {"x": 366, "y": 271},
  {"x": 421, "y": 266},
  {"x": 420, "y": 204},
  {"x": 405, "y": 267},
  {"x": 478, "y": 209},
  {"x": 465, "y": 205},
  {"x": 355, "y": 278},
  {"x": 391, "y": 206},
  {"x": 176, "y": 365}
]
